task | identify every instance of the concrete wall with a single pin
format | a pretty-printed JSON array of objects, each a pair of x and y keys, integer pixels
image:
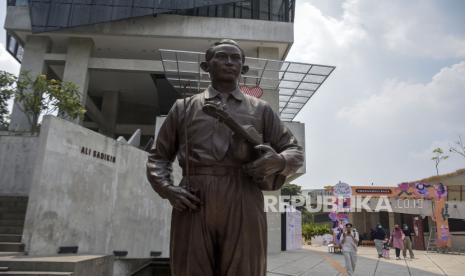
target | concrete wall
[
  {"x": 458, "y": 240},
  {"x": 98, "y": 205},
  {"x": 100, "y": 265},
  {"x": 457, "y": 209},
  {"x": 298, "y": 129},
  {"x": 17, "y": 156}
]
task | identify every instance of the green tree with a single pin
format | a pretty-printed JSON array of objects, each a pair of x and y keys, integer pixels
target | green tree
[
  {"x": 296, "y": 190},
  {"x": 7, "y": 82},
  {"x": 458, "y": 148},
  {"x": 291, "y": 190},
  {"x": 41, "y": 96},
  {"x": 438, "y": 157}
]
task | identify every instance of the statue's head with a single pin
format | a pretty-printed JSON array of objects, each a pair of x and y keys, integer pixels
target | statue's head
[{"x": 224, "y": 61}]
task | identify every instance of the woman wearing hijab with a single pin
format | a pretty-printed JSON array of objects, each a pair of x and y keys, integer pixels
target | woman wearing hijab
[
  {"x": 349, "y": 241},
  {"x": 397, "y": 240},
  {"x": 379, "y": 236},
  {"x": 407, "y": 242}
]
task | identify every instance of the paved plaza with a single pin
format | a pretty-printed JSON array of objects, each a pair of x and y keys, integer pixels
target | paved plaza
[{"x": 316, "y": 261}]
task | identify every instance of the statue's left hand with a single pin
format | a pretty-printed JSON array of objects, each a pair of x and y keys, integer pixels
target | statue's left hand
[{"x": 269, "y": 163}]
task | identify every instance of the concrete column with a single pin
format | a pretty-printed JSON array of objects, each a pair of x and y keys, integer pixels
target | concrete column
[
  {"x": 110, "y": 112},
  {"x": 33, "y": 62},
  {"x": 76, "y": 64},
  {"x": 391, "y": 221},
  {"x": 272, "y": 97},
  {"x": 273, "y": 219}
]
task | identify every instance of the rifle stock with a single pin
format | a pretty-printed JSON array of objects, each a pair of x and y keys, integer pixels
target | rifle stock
[{"x": 248, "y": 133}]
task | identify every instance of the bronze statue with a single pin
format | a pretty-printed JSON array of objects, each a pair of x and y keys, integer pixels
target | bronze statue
[{"x": 236, "y": 147}]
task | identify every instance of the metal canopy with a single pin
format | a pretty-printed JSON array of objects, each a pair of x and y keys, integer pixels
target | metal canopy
[{"x": 296, "y": 82}]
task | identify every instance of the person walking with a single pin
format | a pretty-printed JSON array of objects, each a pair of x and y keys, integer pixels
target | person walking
[
  {"x": 379, "y": 236},
  {"x": 349, "y": 240},
  {"x": 397, "y": 240},
  {"x": 407, "y": 242}
]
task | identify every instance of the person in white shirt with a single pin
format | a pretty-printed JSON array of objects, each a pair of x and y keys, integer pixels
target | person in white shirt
[{"x": 349, "y": 241}]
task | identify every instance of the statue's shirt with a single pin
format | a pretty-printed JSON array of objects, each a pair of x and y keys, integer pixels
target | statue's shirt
[{"x": 202, "y": 131}]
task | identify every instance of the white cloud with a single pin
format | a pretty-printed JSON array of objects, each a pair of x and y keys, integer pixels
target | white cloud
[
  {"x": 414, "y": 28},
  {"x": 317, "y": 35},
  {"x": 402, "y": 107}
]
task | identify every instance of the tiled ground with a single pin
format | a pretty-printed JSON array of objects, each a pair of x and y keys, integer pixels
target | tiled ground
[{"x": 316, "y": 261}]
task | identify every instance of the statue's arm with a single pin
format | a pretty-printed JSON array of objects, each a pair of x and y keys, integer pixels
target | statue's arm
[
  {"x": 163, "y": 153},
  {"x": 284, "y": 142}
]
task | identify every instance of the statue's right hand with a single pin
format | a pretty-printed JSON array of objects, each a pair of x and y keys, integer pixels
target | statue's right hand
[{"x": 181, "y": 199}]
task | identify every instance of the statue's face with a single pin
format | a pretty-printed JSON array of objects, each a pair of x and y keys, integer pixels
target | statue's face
[{"x": 226, "y": 63}]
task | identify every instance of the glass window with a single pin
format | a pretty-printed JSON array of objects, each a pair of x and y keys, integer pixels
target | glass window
[
  {"x": 18, "y": 2},
  {"x": 274, "y": 10},
  {"x": 12, "y": 45},
  {"x": 454, "y": 193},
  {"x": 264, "y": 9},
  {"x": 20, "y": 53},
  {"x": 22, "y": 2},
  {"x": 456, "y": 225},
  {"x": 246, "y": 10}
]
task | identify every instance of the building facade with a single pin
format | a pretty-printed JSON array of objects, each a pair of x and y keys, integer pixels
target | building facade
[
  {"x": 81, "y": 182},
  {"x": 110, "y": 49}
]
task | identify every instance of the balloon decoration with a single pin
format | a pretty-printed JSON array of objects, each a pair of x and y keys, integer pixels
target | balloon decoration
[{"x": 339, "y": 217}]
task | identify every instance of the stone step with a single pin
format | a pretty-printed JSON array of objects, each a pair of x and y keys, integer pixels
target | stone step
[
  {"x": 11, "y": 254},
  {"x": 11, "y": 247},
  {"x": 16, "y": 230},
  {"x": 12, "y": 203},
  {"x": 13, "y": 209},
  {"x": 36, "y": 273},
  {"x": 8, "y": 203},
  {"x": 57, "y": 266},
  {"x": 13, "y": 215},
  {"x": 13, "y": 198},
  {"x": 10, "y": 238},
  {"x": 11, "y": 222}
]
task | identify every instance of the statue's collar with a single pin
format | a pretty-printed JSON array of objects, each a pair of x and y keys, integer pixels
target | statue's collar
[{"x": 211, "y": 92}]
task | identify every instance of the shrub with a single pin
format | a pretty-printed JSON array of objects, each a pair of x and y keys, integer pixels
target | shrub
[
  {"x": 40, "y": 96},
  {"x": 310, "y": 230}
]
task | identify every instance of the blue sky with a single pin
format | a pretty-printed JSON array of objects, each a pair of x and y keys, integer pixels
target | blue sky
[{"x": 397, "y": 93}]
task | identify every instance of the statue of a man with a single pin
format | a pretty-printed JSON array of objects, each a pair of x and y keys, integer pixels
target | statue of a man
[{"x": 218, "y": 221}]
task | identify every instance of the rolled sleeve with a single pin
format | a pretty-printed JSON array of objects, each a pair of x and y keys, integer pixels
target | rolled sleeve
[
  {"x": 163, "y": 153},
  {"x": 284, "y": 142}
]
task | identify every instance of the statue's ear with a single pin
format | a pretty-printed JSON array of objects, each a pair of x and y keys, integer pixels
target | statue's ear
[
  {"x": 245, "y": 69},
  {"x": 204, "y": 66}
]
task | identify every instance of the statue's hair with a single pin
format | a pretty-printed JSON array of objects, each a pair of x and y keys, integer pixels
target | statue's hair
[{"x": 211, "y": 51}]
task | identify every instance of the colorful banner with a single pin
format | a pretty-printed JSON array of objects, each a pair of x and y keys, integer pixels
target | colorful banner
[{"x": 437, "y": 193}]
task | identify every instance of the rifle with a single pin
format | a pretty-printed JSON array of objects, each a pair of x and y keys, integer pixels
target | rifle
[{"x": 248, "y": 133}]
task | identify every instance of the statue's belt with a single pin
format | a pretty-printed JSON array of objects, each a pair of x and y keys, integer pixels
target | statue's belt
[{"x": 213, "y": 170}]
